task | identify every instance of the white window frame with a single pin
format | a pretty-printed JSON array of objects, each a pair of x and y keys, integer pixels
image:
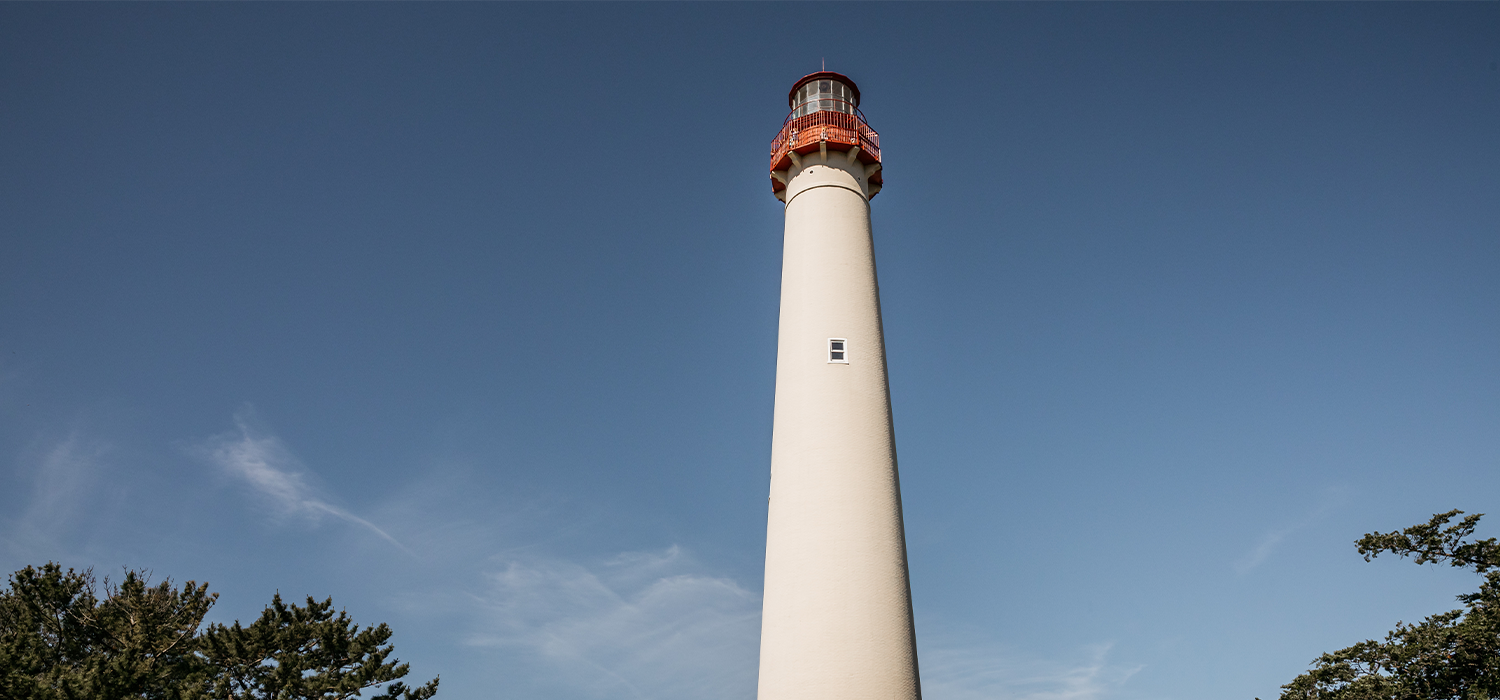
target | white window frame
[{"x": 845, "y": 351}]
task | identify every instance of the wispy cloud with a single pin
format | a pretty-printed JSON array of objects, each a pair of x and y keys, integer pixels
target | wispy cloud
[
  {"x": 995, "y": 673},
  {"x": 1263, "y": 549},
  {"x": 642, "y": 625},
  {"x": 1270, "y": 541},
  {"x": 65, "y": 473},
  {"x": 653, "y": 625},
  {"x": 266, "y": 465},
  {"x": 63, "y": 480}
]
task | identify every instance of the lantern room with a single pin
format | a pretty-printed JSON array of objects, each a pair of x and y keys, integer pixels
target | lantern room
[
  {"x": 824, "y": 116},
  {"x": 823, "y": 94}
]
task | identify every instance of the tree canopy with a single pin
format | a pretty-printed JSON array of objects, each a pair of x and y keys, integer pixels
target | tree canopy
[
  {"x": 59, "y": 640},
  {"x": 1449, "y": 656}
]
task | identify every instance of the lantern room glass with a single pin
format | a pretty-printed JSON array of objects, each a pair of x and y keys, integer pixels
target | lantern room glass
[{"x": 823, "y": 96}]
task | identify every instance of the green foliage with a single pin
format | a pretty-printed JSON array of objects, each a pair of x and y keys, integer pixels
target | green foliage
[
  {"x": 304, "y": 652},
  {"x": 42, "y": 643},
  {"x": 1450, "y": 656},
  {"x": 60, "y": 641}
]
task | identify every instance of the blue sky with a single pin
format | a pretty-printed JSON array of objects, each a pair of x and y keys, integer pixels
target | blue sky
[{"x": 465, "y": 315}]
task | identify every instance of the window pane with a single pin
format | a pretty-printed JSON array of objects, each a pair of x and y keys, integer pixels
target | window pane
[
  {"x": 823, "y": 96},
  {"x": 838, "y": 356}
]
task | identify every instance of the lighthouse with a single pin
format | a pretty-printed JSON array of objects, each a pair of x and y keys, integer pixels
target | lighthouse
[{"x": 837, "y": 617}]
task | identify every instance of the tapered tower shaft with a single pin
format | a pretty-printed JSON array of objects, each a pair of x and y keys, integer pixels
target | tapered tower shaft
[{"x": 837, "y": 622}]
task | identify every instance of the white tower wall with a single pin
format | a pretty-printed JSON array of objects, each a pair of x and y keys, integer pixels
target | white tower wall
[{"x": 837, "y": 621}]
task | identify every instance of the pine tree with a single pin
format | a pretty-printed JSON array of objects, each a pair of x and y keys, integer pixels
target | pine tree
[
  {"x": 304, "y": 652},
  {"x": 1450, "y": 656},
  {"x": 59, "y": 640}
]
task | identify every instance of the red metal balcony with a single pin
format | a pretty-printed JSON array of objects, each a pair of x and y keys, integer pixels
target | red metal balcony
[{"x": 840, "y": 130}]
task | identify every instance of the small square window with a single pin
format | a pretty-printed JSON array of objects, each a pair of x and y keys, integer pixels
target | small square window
[{"x": 838, "y": 350}]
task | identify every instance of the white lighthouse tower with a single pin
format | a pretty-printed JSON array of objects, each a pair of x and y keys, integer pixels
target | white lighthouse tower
[{"x": 837, "y": 622}]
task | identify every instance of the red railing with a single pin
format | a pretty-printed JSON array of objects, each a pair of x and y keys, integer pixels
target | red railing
[{"x": 833, "y": 127}]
